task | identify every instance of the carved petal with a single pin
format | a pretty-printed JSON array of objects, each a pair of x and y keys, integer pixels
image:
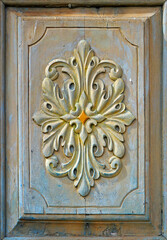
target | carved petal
[
  {"x": 97, "y": 92},
  {"x": 50, "y": 126},
  {"x": 115, "y": 125},
  {"x": 83, "y": 50},
  {"x": 98, "y": 118},
  {"x": 69, "y": 143},
  {"x": 62, "y": 133},
  {"x": 97, "y": 144},
  {"x": 83, "y": 134},
  {"x": 48, "y": 86},
  {"x": 77, "y": 111},
  {"x": 89, "y": 124},
  {"x": 67, "y": 117},
  {"x": 118, "y": 147},
  {"x": 114, "y": 141},
  {"x": 115, "y": 109},
  {"x": 84, "y": 186},
  {"x": 118, "y": 87},
  {"x": 116, "y": 166},
  {"x": 51, "y": 164},
  {"x": 126, "y": 117},
  {"x": 83, "y": 100},
  {"x": 48, "y": 146},
  {"x": 41, "y": 117},
  {"x": 77, "y": 125},
  {"x": 115, "y": 96}
]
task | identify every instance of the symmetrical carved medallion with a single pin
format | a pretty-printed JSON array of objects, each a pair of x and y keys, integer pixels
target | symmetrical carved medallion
[{"x": 84, "y": 117}]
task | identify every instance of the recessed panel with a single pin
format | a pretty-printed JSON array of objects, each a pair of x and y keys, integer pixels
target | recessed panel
[{"x": 106, "y": 195}]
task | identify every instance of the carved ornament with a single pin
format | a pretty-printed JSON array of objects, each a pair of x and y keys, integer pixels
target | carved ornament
[{"x": 83, "y": 117}]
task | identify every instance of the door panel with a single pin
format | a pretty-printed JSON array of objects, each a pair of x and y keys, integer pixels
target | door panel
[{"x": 126, "y": 203}]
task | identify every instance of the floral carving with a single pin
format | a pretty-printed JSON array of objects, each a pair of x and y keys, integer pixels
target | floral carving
[{"x": 83, "y": 117}]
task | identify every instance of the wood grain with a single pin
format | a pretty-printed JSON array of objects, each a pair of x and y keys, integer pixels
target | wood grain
[
  {"x": 2, "y": 119},
  {"x": 86, "y": 238},
  {"x": 74, "y": 3},
  {"x": 155, "y": 116},
  {"x": 12, "y": 191},
  {"x": 164, "y": 122}
]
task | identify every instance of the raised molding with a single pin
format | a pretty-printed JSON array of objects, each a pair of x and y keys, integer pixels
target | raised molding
[
  {"x": 39, "y": 37},
  {"x": 164, "y": 121},
  {"x": 74, "y": 3},
  {"x": 124, "y": 39},
  {"x": 2, "y": 120},
  {"x": 85, "y": 238}
]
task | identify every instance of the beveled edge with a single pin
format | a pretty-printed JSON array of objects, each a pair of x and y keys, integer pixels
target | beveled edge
[
  {"x": 164, "y": 122},
  {"x": 2, "y": 120},
  {"x": 75, "y": 3},
  {"x": 85, "y": 238}
]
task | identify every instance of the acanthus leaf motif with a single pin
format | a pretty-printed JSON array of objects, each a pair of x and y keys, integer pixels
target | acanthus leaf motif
[{"x": 83, "y": 118}]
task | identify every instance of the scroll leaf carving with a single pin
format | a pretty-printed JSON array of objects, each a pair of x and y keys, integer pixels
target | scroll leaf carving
[{"x": 83, "y": 117}]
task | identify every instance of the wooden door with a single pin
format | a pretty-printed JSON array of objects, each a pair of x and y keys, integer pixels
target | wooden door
[{"x": 83, "y": 123}]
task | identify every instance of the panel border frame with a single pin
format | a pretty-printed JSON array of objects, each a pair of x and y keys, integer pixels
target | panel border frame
[{"x": 2, "y": 120}]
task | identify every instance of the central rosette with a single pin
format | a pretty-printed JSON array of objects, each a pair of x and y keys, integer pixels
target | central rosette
[{"x": 83, "y": 118}]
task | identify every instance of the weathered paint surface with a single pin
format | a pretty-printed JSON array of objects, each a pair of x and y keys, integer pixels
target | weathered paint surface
[
  {"x": 164, "y": 120},
  {"x": 108, "y": 197},
  {"x": 73, "y": 3},
  {"x": 130, "y": 199},
  {"x": 2, "y": 122}
]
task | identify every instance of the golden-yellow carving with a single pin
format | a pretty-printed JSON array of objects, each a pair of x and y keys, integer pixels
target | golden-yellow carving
[{"x": 83, "y": 117}]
